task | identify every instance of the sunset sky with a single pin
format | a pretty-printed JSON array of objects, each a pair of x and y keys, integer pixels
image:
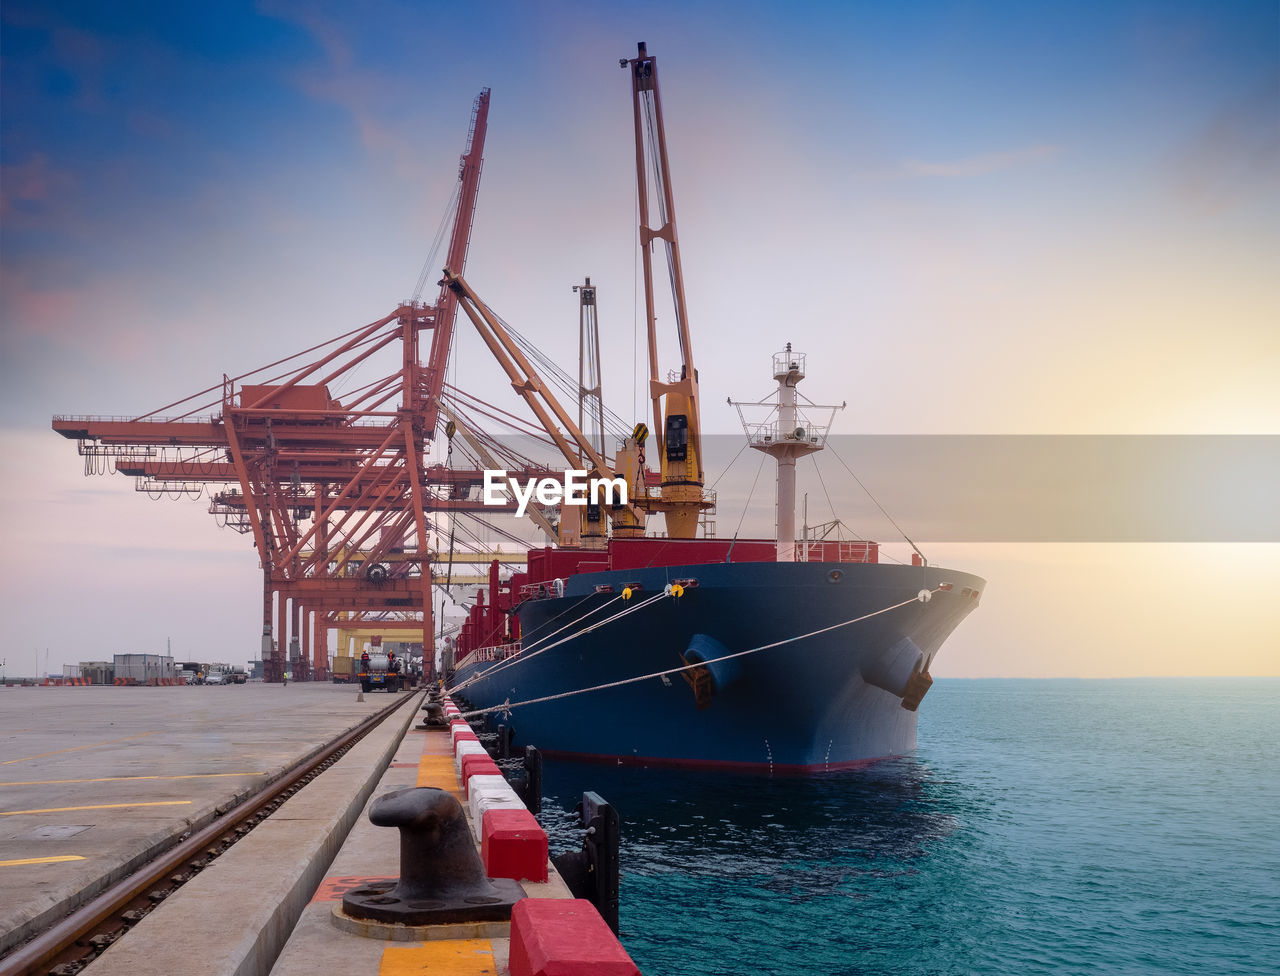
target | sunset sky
[{"x": 976, "y": 218}]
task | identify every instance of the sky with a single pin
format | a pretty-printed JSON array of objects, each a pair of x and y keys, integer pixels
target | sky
[{"x": 976, "y": 218}]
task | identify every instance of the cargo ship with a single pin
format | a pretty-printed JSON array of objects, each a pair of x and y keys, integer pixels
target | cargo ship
[{"x": 783, "y": 655}]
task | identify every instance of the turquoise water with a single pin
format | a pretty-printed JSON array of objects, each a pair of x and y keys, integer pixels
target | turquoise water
[{"x": 1057, "y": 826}]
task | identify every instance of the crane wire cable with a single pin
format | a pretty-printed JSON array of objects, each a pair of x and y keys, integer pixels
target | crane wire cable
[
  {"x": 878, "y": 505},
  {"x": 742, "y": 517},
  {"x": 552, "y": 370},
  {"x": 430, "y": 262},
  {"x": 744, "y": 446}
]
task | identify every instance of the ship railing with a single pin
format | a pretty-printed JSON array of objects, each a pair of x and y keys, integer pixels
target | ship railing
[
  {"x": 653, "y": 493},
  {"x": 496, "y": 652},
  {"x": 837, "y": 551},
  {"x": 541, "y": 591},
  {"x": 81, "y": 418},
  {"x": 804, "y": 432}
]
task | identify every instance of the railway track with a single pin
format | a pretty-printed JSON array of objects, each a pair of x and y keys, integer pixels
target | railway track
[{"x": 69, "y": 945}]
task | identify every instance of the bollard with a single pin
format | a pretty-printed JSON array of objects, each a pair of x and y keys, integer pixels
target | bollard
[{"x": 442, "y": 878}]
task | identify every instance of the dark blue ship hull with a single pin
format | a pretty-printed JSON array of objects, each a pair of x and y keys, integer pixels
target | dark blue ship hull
[{"x": 816, "y": 703}]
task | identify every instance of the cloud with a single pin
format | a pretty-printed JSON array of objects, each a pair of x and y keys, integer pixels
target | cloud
[
  {"x": 363, "y": 94},
  {"x": 323, "y": 30},
  {"x": 28, "y": 309},
  {"x": 1235, "y": 155},
  {"x": 984, "y": 163},
  {"x": 32, "y": 184}
]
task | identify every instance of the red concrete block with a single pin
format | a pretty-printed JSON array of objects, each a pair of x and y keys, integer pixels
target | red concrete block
[
  {"x": 477, "y": 765},
  {"x": 512, "y": 845},
  {"x": 464, "y": 737},
  {"x": 564, "y": 937}
]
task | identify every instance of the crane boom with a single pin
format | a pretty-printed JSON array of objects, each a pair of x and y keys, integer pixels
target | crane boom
[
  {"x": 525, "y": 380},
  {"x": 677, "y": 425},
  {"x": 469, "y": 167}
]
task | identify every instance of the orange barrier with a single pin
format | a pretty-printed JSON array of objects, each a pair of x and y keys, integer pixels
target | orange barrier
[{"x": 151, "y": 682}]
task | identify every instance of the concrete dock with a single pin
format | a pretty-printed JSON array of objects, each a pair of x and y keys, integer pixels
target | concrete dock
[
  {"x": 271, "y": 903},
  {"x": 94, "y": 780}
]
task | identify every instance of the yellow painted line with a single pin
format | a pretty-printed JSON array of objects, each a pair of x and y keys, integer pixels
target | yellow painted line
[
  {"x": 41, "y": 860},
  {"x": 116, "y": 779},
  {"x": 437, "y": 771},
  {"x": 457, "y": 957},
  {"x": 92, "y": 745},
  {"x": 98, "y": 806}
]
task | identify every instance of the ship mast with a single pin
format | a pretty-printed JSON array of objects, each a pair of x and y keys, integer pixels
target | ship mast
[{"x": 788, "y": 432}]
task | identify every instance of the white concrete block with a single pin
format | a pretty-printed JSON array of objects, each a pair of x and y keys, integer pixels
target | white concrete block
[{"x": 466, "y": 748}]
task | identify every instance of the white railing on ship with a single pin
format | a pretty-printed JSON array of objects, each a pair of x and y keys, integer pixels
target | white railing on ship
[
  {"x": 497, "y": 652},
  {"x": 810, "y": 550}
]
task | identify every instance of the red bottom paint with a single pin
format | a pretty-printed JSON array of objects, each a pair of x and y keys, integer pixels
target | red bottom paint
[{"x": 783, "y": 769}]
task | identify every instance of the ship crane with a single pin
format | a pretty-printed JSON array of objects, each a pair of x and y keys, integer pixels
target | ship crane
[
  {"x": 574, "y": 446},
  {"x": 590, "y": 394},
  {"x": 578, "y": 526},
  {"x": 676, "y": 418}
]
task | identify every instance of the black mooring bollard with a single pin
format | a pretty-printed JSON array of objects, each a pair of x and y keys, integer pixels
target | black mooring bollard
[
  {"x": 434, "y": 717},
  {"x": 442, "y": 879}
]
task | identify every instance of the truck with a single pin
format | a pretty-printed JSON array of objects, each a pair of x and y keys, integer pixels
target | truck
[
  {"x": 344, "y": 671},
  {"x": 380, "y": 669}
]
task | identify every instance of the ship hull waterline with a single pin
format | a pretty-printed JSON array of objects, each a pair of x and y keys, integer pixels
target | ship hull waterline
[{"x": 820, "y": 703}]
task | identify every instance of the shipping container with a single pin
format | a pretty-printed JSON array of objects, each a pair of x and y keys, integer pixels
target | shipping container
[{"x": 144, "y": 667}]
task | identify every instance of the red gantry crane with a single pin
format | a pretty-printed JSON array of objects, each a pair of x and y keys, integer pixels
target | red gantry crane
[{"x": 336, "y": 493}]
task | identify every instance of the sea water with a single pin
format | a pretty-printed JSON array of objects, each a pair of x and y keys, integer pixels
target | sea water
[{"x": 1043, "y": 826}]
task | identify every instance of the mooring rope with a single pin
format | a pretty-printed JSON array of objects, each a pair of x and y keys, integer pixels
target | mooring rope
[
  {"x": 505, "y": 708},
  {"x": 550, "y": 620},
  {"x": 500, "y": 665},
  {"x": 522, "y": 657}
]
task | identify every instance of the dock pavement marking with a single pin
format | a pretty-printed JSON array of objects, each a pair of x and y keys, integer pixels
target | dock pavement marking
[
  {"x": 458, "y": 957},
  {"x": 91, "y": 745},
  {"x": 98, "y": 806},
  {"x": 437, "y": 771},
  {"x": 113, "y": 779},
  {"x": 41, "y": 860}
]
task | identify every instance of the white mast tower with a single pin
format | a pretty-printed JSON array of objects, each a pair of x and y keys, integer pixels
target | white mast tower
[{"x": 787, "y": 432}]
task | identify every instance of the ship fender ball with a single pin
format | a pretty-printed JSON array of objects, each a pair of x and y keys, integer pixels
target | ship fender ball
[{"x": 704, "y": 649}]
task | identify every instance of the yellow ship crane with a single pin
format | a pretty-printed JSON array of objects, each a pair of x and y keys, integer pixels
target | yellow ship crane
[{"x": 677, "y": 425}]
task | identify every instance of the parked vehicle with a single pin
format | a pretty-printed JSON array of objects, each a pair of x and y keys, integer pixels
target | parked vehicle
[{"x": 379, "y": 669}]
